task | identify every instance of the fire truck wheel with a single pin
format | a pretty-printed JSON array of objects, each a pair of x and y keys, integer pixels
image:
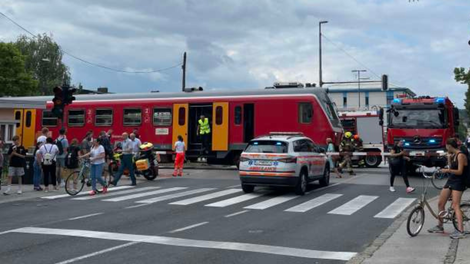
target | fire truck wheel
[
  {"x": 248, "y": 188},
  {"x": 373, "y": 161}
]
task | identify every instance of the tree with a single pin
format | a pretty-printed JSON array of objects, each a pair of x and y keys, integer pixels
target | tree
[
  {"x": 44, "y": 60},
  {"x": 14, "y": 79},
  {"x": 464, "y": 78}
]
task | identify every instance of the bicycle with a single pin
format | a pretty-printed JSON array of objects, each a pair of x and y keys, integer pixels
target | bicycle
[
  {"x": 438, "y": 178},
  {"x": 417, "y": 215},
  {"x": 78, "y": 179}
]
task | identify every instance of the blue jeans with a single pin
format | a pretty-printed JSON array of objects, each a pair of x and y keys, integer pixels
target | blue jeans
[
  {"x": 126, "y": 162},
  {"x": 37, "y": 174},
  {"x": 95, "y": 173}
]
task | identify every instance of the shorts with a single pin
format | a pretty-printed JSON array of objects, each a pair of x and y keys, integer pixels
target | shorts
[
  {"x": 455, "y": 185},
  {"x": 60, "y": 162},
  {"x": 15, "y": 171}
]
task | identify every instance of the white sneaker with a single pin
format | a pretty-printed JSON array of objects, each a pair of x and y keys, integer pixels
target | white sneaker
[
  {"x": 392, "y": 189},
  {"x": 19, "y": 191},
  {"x": 7, "y": 191},
  {"x": 62, "y": 184}
]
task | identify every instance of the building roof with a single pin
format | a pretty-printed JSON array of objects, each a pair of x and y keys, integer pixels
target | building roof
[
  {"x": 368, "y": 89},
  {"x": 22, "y": 102}
]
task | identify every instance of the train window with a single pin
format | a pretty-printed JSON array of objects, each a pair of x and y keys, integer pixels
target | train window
[
  {"x": 162, "y": 117},
  {"x": 18, "y": 118},
  {"x": 219, "y": 115},
  {"x": 76, "y": 117},
  {"x": 28, "y": 119},
  {"x": 181, "y": 116},
  {"x": 305, "y": 113},
  {"x": 238, "y": 115},
  {"x": 132, "y": 117},
  {"x": 104, "y": 117},
  {"x": 48, "y": 119}
]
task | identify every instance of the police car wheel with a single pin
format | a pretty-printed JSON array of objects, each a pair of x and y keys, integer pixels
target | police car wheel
[
  {"x": 248, "y": 188},
  {"x": 301, "y": 187}
]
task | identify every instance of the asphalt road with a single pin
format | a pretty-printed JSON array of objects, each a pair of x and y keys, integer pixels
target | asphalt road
[{"x": 204, "y": 217}]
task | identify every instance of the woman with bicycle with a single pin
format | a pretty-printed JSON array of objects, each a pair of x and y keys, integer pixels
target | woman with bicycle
[
  {"x": 97, "y": 160},
  {"x": 458, "y": 168}
]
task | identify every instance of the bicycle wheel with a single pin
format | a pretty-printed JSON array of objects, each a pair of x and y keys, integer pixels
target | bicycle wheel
[
  {"x": 415, "y": 221},
  {"x": 438, "y": 180},
  {"x": 465, "y": 208},
  {"x": 74, "y": 183}
]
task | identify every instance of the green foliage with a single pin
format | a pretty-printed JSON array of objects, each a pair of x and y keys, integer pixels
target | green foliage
[
  {"x": 463, "y": 77},
  {"x": 462, "y": 131},
  {"x": 14, "y": 79},
  {"x": 44, "y": 60}
]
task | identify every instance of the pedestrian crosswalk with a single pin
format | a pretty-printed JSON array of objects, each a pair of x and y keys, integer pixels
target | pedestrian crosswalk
[{"x": 341, "y": 204}]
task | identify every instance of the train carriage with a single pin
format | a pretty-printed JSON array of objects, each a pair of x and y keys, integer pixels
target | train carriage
[{"x": 235, "y": 117}]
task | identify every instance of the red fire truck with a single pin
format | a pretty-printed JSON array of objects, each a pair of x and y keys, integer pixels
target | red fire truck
[
  {"x": 235, "y": 117},
  {"x": 424, "y": 123}
]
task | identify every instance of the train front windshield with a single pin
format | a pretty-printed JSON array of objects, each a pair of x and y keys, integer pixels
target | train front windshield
[{"x": 417, "y": 118}]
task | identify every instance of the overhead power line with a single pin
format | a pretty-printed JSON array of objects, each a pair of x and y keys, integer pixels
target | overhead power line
[{"x": 88, "y": 62}]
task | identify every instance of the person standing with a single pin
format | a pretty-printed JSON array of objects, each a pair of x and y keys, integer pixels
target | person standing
[
  {"x": 62, "y": 144},
  {"x": 42, "y": 138},
  {"x": 136, "y": 133},
  {"x": 330, "y": 149},
  {"x": 87, "y": 142},
  {"x": 17, "y": 154},
  {"x": 179, "y": 148},
  {"x": 126, "y": 161},
  {"x": 1, "y": 161},
  {"x": 347, "y": 148},
  {"x": 97, "y": 160},
  {"x": 204, "y": 131},
  {"x": 37, "y": 172},
  {"x": 135, "y": 144},
  {"x": 47, "y": 154},
  {"x": 397, "y": 163}
]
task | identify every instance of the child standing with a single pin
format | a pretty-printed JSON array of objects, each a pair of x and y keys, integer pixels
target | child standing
[{"x": 179, "y": 160}]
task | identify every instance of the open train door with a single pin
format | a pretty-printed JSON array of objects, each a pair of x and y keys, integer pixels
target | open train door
[
  {"x": 180, "y": 122},
  {"x": 220, "y": 126}
]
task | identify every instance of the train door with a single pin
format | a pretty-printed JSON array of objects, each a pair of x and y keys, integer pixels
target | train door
[
  {"x": 180, "y": 122},
  {"x": 195, "y": 111},
  {"x": 220, "y": 127},
  {"x": 248, "y": 122},
  {"x": 25, "y": 126}
]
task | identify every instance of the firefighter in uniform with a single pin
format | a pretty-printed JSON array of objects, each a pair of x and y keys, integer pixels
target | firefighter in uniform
[
  {"x": 359, "y": 146},
  {"x": 347, "y": 148},
  {"x": 204, "y": 131}
]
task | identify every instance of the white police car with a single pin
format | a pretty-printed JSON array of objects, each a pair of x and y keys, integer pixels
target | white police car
[{"x": 283, "y": 159}]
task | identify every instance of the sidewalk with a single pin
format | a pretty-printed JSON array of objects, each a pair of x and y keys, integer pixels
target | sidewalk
[{"x": 396, "y": 246}]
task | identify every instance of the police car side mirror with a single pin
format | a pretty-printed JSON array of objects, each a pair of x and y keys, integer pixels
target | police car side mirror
[{"x": 321, "y": 150}]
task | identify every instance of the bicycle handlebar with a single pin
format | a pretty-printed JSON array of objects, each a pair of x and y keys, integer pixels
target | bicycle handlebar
[{"x": 423, "y": 169}]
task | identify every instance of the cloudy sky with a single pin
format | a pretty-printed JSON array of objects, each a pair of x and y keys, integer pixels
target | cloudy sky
[{"x": 240, "y": 44}]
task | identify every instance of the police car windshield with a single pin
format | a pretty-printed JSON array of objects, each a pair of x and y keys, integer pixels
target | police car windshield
[{"x": 266, "y": 146}]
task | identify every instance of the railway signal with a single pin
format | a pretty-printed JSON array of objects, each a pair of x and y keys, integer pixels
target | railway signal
[
  {"x": 58, "y": 100},
  {"x": 384, "y": 82}
]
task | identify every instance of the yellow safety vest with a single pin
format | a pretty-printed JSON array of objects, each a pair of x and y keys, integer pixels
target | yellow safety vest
[{"x": 204, "y": 127}]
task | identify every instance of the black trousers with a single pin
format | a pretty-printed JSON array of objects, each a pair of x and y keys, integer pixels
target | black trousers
[
  {"x": 399, "y": 168},
  {"x": 205, "y": 139},
  {"x": 49, "y": 171}
]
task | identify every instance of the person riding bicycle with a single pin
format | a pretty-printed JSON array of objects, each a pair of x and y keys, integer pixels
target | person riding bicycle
[{"x": 455, "y": 186}]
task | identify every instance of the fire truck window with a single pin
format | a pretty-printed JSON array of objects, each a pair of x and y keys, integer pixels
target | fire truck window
[
  {"x": 238, "y": 115},
  {"x": 76, "y": 118},
  {"x": 18, "y": 118},
  {"x": 104, "y": 117},
  {"x": 219, "y": 115},
  {"x": 48, "y": 119},
  {"x": 162, "y": 117},
  {"x": 132, "y": 117},
  {"x": 181, "y": 116},
  {"x": 305, "y": 113},
  {"x": 28, "y": 119}
]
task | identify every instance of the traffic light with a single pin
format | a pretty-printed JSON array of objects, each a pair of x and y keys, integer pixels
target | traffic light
[
  {"x": 68, "y": 94},
  {"x": 384, "y": 82},
  {"x": 58, "y": 100}
]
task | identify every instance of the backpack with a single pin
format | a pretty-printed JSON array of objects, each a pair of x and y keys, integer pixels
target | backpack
[
  {"x": 58, "y": 142},
  {"x": 71, "y": 160},
  {"x": 48, "y": 158}
]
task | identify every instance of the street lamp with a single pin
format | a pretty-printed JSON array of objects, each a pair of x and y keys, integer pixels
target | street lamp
[
  {"x": 359, "y": 84},
  {"x": 319, "y": 51}
]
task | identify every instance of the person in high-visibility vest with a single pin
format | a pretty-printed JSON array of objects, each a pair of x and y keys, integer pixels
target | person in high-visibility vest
[{"x": 204, "y": 130}]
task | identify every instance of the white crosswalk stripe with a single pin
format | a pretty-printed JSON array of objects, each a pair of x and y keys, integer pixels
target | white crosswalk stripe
[
  {"x": 235, "y": 200},
  {"x": 309, "y": 205},
  {"x": 140, "y": 195},
  {"x": 271, "y": 202},
  {"x": 115, "y": 193},
  {"x": 354, "y": 205},
  {"x": 206, "y": 197},
  {"x": 113, "y": 189},
  {"x": 173, "y": 196},
  {"x": 394, "y": 209}
]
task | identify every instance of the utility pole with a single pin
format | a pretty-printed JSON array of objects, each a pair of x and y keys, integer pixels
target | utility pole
[
  {"x": 319, "y": 51},
  {"x": 184, "y": 72},
  {"x": 359, "y": 85}
]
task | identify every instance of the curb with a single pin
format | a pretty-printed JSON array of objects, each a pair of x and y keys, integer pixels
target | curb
[{"x": 199, "y": 167}]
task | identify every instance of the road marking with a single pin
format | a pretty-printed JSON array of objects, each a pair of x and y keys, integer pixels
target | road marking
[
  {"x": 116, "y": 193},
  {"x": 53, "y": 197},
  {"x": 235, "y": 200},
  {"x": 354, "y": 205},
  {"x": 97, "y": 253},
  {"x": 188, "y": 227},
  {"x": 395, "y": 208},
  {"x": 135, "y": 206},
  {"x": 193, "y": 243},
  {"x": 84, "y": 216},
  {"x": 237, "y": 213},
  {"x": 206, "y": 197},
  {"x": 308, "y": 205},
  {"x": 139, "y": 195},
  {"x": 233, "y": 186},
  {"x": 173, "y": 196},
  {"x": 271, "y": 202},
  {"x": 4, "y": 232}
]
